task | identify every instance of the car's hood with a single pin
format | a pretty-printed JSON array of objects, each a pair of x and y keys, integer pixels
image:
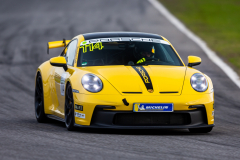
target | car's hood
[{"x": 132, "y": 79}]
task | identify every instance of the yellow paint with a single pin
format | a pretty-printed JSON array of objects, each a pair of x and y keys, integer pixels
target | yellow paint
[
  {"x": 194, "y": 59},
  {"x": 118, "y": 79},
  {"x": 136, "y": 107},
  {"x": 58, "y": 60},
  {"x": 57, "y": 44}
]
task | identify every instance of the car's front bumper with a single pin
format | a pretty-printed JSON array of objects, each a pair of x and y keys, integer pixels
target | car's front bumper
[
  {"x": 95, "y": 117},
  {"x": 131, "y": 120}
]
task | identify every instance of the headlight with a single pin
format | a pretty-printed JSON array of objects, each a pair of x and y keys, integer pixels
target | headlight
[
  {"x": 199, "y": 82},
  {"x": 92, "y": 83}
]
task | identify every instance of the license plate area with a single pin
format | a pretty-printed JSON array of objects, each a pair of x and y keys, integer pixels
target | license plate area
[{"x": 153, "y": 107}]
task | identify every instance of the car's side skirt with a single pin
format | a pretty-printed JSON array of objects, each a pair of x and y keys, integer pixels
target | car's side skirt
[{"x": 55, "y": 118}]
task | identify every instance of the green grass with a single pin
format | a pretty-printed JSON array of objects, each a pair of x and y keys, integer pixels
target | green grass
[{"x": 217, "y": 22}]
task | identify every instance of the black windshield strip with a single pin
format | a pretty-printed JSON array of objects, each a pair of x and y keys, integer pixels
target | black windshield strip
[{"x": 88, "y": 36}]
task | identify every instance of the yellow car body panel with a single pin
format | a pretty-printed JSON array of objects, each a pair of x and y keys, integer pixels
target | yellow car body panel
[{"x": 171, "y": 85}]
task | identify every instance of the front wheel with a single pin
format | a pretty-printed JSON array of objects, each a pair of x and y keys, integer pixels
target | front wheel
[
  {"x": 39, "y": 101},
  {"x": 69, "y": 108},
  {"x": 200, "y": 130}
]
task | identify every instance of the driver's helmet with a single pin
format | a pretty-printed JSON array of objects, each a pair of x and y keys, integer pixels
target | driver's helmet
[{"x": 145, "y": 51}]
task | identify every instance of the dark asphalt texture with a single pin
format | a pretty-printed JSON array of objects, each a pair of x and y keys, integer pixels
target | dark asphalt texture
[{"x": 25, "y": 29}]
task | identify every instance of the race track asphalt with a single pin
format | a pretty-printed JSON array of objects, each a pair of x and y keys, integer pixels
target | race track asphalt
[{"x": 25, "y": 29}]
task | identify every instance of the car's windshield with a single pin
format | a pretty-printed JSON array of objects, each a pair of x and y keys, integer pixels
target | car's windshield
[{"x": 127, "y": 51}]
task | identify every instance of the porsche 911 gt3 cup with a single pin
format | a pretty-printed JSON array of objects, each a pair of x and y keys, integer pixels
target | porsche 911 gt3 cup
[{"x": 123, "y": 80}]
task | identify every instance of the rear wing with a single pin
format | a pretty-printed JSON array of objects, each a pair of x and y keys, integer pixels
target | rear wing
[{"x": 57, "y": 44}]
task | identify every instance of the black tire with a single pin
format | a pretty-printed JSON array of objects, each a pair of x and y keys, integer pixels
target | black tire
[
  {"x": 39, "y": 101},
  {"x": 200, "y": 130},
  {"x": 69, "y": 108}
]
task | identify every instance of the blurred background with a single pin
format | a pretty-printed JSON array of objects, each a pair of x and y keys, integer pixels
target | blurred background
[
  {"x": 26, "y": 27},
  {"x": 216, "y": 21}
]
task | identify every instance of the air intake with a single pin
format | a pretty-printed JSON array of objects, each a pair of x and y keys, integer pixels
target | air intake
[{"x": 152, "y": 119}]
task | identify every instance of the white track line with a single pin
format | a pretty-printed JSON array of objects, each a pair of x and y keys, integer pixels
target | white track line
[{"x": 211, "y": 54}]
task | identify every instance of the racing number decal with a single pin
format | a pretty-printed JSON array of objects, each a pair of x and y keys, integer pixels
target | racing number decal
[
  {"x": 91, "y": 46},
  {"x": 145, "y": 77}
]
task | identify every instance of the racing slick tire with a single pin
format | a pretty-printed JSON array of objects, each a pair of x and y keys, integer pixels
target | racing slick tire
[
  {"x": 69, "y": 108},
  {"x": 39, "y": 101},
  {"x": 200, "y": 130}
]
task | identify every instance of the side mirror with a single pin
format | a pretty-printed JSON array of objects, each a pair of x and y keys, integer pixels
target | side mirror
[
  {"x": 59, "y": 62},
  {"x": 193, "y": 61}
]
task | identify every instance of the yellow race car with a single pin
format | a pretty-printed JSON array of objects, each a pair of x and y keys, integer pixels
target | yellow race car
[{"x": 123, "y": 80}]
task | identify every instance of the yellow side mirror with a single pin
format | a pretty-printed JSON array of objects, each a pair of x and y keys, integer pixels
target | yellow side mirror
[
  {"x": 59, "y": 62},
  {"x": 193, "y": 61},
  {"x": 57, "y": 44}
]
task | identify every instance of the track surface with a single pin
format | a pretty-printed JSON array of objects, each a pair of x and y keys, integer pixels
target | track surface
[{"x": 26, "y": 27}]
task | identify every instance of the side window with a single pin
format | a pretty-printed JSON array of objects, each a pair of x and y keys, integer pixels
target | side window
[{"x": 71, "y": 50}]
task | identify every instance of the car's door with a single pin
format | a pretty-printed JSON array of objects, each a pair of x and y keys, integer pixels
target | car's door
[{"x": 61, "y": 75}]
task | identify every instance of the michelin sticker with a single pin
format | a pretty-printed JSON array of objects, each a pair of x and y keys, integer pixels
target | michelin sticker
[
  {"x": 62, "y": 83},
  {"x": 153, "y": 107},
  {"x": 79, "y": 115}
]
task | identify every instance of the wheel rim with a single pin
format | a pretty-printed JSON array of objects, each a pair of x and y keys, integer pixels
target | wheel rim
[
  {"x": 69, "y": 109},
  {"x": 38, "y": 96}
]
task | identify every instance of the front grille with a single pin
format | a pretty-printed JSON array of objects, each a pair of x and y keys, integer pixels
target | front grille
[{"x": 153, "y": 119}]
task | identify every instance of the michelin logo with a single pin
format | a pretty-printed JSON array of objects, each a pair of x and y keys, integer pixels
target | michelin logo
[
  {"x": 157, "y": 107},
  {"x": 142, "y": 107}
]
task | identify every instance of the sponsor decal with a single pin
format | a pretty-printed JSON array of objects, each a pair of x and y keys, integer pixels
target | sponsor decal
[
  {"x": 74, "y": 90},
  {"x": 80, "y": 115},
  {"x": 153, "y": 107},
  {"x": 145, "y": 77},
  {"x": 143, "y": 73},
  {"x": 79, "y": 107},
  {"x": 117, "y": 39},
  {"x": 62, "y": 83}
]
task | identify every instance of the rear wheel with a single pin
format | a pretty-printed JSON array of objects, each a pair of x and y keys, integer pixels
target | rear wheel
[
  {"x": 69, "y": 108},
  {"x": 39, "y": 101},
  {"x": 200, "y": 130}
]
